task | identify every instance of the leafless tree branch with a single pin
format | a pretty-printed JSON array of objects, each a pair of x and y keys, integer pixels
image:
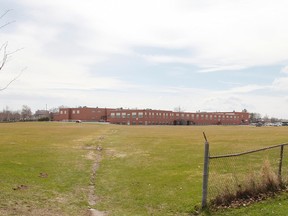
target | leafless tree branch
[
  {"x": 5, "y": 54},
  {"x": 11, "y": 81},
  {"x": 7, "y": 11},
  {"x": 3, "y": 15}
]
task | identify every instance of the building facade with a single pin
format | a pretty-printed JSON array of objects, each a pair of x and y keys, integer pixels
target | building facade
[
  {"x": 82, "y": 113},
  {"x": 161, "y": 117},
  {"x": 151, "y": 117}
]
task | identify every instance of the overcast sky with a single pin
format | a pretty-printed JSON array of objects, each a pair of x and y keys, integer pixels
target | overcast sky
[{"x": 208, "y": 55}]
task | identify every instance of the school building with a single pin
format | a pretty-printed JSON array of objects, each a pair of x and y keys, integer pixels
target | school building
[
  {"x": 151, "y": 117},
  {"x": 82, "y": 113}
]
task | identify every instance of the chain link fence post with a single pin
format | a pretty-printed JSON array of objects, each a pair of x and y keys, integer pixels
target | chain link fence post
[
  {"x": 205, "y": 173},
  {"x": 280, "y": 163}
]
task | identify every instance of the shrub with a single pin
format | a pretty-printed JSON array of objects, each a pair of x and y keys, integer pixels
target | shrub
[
  {"x": 255, "y": 187},
  {"x": 44, "y": 119}
]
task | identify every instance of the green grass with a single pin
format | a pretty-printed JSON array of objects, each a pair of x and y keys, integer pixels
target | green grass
[
  {"x": 28, "y": 149},
  {"x": 145, "y": 170}
]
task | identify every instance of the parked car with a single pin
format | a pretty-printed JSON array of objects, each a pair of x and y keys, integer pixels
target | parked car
[{"x": 259, "y": 124}]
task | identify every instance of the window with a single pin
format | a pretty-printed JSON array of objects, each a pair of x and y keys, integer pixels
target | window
[
  {"x": 78, "y": 111},
  {"x": 112, "y": 115},
  {"x": 61, "y": 112},
  {"x": 118, "y": 115},
  {"x": 140, "y": 114},
  {"x": 134, "y": 114},
  {"x": 123, "y": 115}
]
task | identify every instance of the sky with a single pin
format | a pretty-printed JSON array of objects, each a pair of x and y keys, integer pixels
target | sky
[{"x": 208, "y": 55}]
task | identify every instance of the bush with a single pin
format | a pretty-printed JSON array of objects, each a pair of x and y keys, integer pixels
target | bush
[
  {"x": 44, "y": 119},
  {"x": 254, "y": 188}
]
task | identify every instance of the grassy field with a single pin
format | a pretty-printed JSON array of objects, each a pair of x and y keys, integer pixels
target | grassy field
[
  {"x": 46, "y": 168},
  {"x": 55, "y": 150}
]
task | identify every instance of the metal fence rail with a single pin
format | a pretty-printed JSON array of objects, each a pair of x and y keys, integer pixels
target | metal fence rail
[{"x": 234, "y": 170}]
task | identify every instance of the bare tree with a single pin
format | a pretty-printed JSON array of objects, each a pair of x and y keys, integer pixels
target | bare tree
[
  {"x": 179, "y": 109},
  {"x": 26, "y": 113},
  {"x": 4, "y": 54},
  {"x": 255, "y": 117}
]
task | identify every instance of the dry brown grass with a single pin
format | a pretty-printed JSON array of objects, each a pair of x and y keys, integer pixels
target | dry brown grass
[{"x": 256, "y": 186}]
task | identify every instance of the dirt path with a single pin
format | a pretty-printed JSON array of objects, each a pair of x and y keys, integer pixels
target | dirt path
[
  {"x": 95, "y": 155},
  {"x": 94, "y": 212}
]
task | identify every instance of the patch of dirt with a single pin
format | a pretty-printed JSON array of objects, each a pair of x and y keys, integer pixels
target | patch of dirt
[
  {"x": 43, "y": 175},
  {"x": 94, "y": 212},
  {"x": 91, "y": 155},
  {"x": 21, "y": 187},
  {"x": 96, "y": 156},
  {"x": 25, "y": 209}
]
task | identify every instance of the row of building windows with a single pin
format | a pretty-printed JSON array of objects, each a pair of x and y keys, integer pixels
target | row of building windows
[
  {"x": 164, "y": 115},
  {"x": 166, "y": 123},
  {"x": 167, "y": 115},
  {"x": 73, "y": 111}
]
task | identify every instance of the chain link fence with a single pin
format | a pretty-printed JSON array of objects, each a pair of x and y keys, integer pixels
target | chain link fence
[{"x": 230, "y": 173}]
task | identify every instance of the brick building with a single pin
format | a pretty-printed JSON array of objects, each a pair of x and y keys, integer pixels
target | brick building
[
  {"x": 160, "y": 117},
  {"x": 151, "y": 117},
  {"x": 83, "y": 114}
]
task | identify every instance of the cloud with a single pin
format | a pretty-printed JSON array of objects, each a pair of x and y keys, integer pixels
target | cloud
[
  {"x": 78, "y": 51},
  {"x": 248, "y": 88},
  {"x": 225, "y": 35},
  {"x": 285, "y": 70},
  {"x": 229, "y": 103},
  {"x": 280, "y": 84}
]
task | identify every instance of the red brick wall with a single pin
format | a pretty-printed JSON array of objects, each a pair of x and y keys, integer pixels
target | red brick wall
[
  {"x": 160, "y": 117},
  {"x": 140, "y": 117},
  {"x": 83, "y": 114},
  {"x": 151, "y": 117}
]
